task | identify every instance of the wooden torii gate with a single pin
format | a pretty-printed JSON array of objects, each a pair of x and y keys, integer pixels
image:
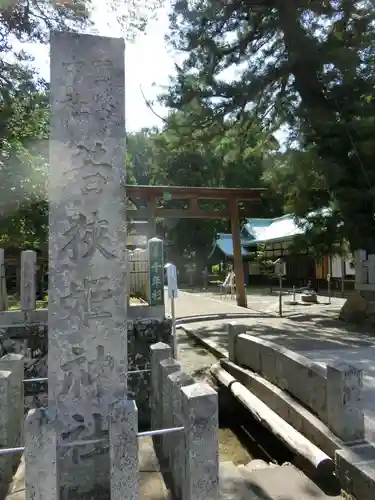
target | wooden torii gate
[{"x": 193, "y": 195}]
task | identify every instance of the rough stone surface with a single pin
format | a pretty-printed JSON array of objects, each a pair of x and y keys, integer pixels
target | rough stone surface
[
  {"x": 87, "y": 352},
  {"x": 28, "y": 280},
  {"x": 354, "y": 309},
  {"x": 141, "y": 336},
  {"x": 345, "y": 414},
  {"x": 142, "y": 333},
  {"x": 167, "y": 367},
  {"x": 355, "y": 470},
  {"x": 123, "y": 435},
  {"x": 175, "y": 381},
  {"x": 233, "y": 330},
  {"x": 41, "y": 467},
  {"x": 201, "y": 419},
  {"x": 5, "y": 423},
  {"x": 15, "y": 364},
  {"x": 158, "y": 352},
  {"x": 286, "y": 369}
]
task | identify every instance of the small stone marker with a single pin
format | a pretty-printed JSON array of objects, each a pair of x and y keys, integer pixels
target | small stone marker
[
  {"x": 175, "y": 382},
  {"x": 41, "y": 468},
  {"x": 28, "y": 280},
  {"x": 87, "y": 350},
  {"x": 123, "y": 438},
  {"x": 3, "y": 287},
  {"x": 345, "y": 415},
  {"x": 156, "y": 271},
  {"x": 201, "y": 423},
  {"x": 167, "y": 367}
]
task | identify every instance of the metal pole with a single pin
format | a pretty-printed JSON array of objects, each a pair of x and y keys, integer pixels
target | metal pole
[
  {"x": 294, "y": 294},
  {"x": 329, "y": 288},
  {"x": 174, "y": 334},
  {"x": 160, "y": 432},
  {"x": 280, "y": 295}
]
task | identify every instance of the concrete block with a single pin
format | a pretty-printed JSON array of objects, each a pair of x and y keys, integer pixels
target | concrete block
[
  {"x": 175, "y": 382},
  {"x": 41, "y": 465},
  {"x": 200, "y": 417},
  {"x": 355, "y": 469},
  {"x": 233, "y": 330},
  {"x": 288, "y": 370},
  {"x": 247, "y": 353},
  {"x": 123, "y": 440},
  {"x": 345, "y": 414}
]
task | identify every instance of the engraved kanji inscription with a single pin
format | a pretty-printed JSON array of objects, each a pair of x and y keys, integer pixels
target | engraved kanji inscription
[
  {"x": 102, "y": 69},
  {"x": 86, "y": 236},
  {"x": 86, "y": 428},
  {"x": 75, "y": 103},
  {"x": 86, "y": 300},
  {"x": 94, "y": 183},
  {"x": 80, "y": 373},
  {"x": 91, "y": 156},
  {"x": 73, "y": 69}
]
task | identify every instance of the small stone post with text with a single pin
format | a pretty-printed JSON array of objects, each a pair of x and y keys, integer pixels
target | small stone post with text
[
  {"x": 155, "y": 272},
  {"x": 28, "y": 280}
]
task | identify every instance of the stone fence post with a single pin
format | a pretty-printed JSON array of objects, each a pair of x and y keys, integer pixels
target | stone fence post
[
  {"x": 41, "y": 471},
  {"x": 175, "y": 382},
  {"x": 123, "y": 440},
  {"x": 233, "y": 330},
  {"x": 11, "y": 412},
  {"x": 3, "y": 286},
  {"x": 158, "y": 352},
  {"x": 345, "y": 415},
  {"x": 200, "y": 420},
  {"x": 28, "y": 280},
  {"x": 167, "y": 367},
  {"x": 15, "y": 363}
]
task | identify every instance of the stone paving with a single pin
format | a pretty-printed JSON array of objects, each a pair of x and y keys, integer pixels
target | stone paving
[{"x": 312, "y": 330}]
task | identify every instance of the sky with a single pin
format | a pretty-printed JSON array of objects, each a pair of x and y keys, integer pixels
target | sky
[{"x": 148, "y": 63}]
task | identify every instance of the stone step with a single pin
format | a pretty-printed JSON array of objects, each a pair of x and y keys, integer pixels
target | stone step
[
  {"x": 232, "y": 484},
  {"x": 281, "y": 483}
]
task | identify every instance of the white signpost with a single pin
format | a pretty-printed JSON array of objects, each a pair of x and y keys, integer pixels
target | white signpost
[
  {"x": 280, "y": 271},
  {"x": 172, "y": 294}
]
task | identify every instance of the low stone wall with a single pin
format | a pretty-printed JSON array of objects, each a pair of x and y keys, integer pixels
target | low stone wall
[
  {"x": 334, "y": 393},
  {"x": 142, "y": 334},
  {"x": 31, "y": 339},
  {"x": 189, "y": 458}
]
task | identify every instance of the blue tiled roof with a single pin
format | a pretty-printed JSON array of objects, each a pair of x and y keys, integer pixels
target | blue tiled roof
[
  {"x": 269, "y": 230},
  {"x": 259, "y": 231},
  {"x": 225, "y": 244}
]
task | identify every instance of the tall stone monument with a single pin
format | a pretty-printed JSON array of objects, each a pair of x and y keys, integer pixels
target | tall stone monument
[{"x": 87, "y": 352}]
